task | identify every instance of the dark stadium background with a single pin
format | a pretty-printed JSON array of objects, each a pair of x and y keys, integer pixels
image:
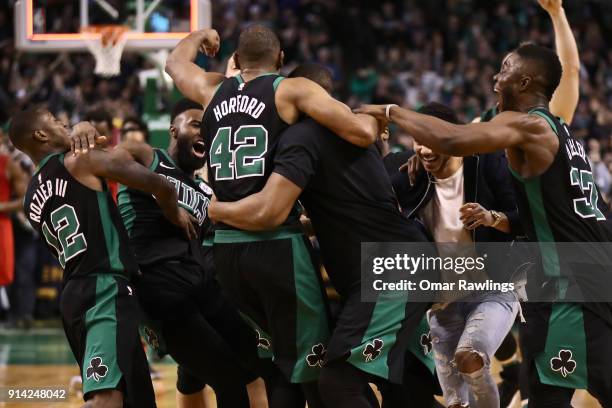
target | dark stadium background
[{"x": 406, "y": 52}]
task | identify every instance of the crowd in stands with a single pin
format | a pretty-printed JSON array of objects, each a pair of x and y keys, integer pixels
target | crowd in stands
[{"x": 408, "y": 52}]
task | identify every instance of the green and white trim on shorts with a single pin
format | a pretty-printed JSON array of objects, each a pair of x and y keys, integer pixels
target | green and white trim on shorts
[
  {"x": 372, "y": 354},
  {"x": 563, "y": 362},
  {"x": 264, "y": 340},
  {"x": 312, "y": 329},
  {"x": 421, "y": 345},
  {"x": 100, "y": 367}
]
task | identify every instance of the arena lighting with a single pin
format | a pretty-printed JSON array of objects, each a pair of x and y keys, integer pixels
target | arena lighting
[{"x": 193, "y": 26}]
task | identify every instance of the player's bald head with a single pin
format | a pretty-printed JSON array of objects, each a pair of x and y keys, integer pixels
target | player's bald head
[
  {"x": 316, "y": 73},
  {"x": 24, "y": 124},
  {"x": 543, "y": 65},
  {"x": 36, "y": 132},
  {"x": 258, "y": 46}
]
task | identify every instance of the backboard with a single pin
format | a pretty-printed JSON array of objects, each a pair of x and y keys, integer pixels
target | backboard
[{"x": 55, "y": 25}]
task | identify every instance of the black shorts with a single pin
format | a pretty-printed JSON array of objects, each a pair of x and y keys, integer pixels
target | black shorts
[
  {"x": 189, "y": 317},
  {"x": 277, "y": 287},
  {"x": 375, "y": 336},
  {"x": 101, "y": 316},
  {"x": 570, "y": 346}
]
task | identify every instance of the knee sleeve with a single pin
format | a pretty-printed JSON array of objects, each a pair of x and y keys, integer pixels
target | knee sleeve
[
  {"x": 547, "y": 396},
  {"x": 187, "y": 383}
]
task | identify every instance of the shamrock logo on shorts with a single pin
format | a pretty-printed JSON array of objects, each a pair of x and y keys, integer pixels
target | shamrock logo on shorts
[
  {"x": 96, "y": 369},
  {"x": 262, "y": 341},
  {"x": 426, "y": 342},
  {"x": 317, "y": 357},
  {"x": 372, "y": 350},
  {"x": 563, "y": 363},
  {"x": 151, "y": 338}
]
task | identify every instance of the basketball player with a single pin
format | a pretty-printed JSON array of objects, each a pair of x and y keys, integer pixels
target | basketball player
[
  {"x": 270, "y": 275},
  {"x": 557, "y": 203},
  {"x": 563, "y": 104},
  {"x": 188, "y": 317},
  {"x": 349, "y": 199},
  {"x": 68, "y": 203}
]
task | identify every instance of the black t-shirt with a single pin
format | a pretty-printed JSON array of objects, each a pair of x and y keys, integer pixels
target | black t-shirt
[{"x": 347, "y": 195}]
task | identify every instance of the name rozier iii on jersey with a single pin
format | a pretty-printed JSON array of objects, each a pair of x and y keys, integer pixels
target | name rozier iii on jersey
[{"x": 82, "y": 227}]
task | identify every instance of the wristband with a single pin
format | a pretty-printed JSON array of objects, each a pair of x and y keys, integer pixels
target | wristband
[{"x": 388, "y": 110}]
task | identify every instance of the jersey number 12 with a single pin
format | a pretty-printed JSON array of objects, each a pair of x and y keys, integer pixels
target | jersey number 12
[
  {"x": 246, "y": 160},
  {"x": 67, "y": 242}
]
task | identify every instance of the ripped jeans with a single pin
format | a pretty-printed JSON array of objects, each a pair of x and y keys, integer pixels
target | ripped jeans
[{"x": 476, "y": 324}]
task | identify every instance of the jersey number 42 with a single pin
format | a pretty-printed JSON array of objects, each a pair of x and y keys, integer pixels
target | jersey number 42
[{"x": 246, "y": 159}]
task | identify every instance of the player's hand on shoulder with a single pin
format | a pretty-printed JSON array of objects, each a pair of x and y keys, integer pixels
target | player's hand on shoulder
[
  {"x": 210, "y": 42},
  {"x": 85, "y": 137}
]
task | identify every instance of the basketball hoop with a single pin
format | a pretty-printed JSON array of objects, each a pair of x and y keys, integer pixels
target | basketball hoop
[{"x": 106, "y": 43}]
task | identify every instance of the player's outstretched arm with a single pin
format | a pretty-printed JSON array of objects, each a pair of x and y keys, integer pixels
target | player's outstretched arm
[
  {"x": 120, "y": 166},
  {"x": 301, "y": 95},
  {"x": 565, "y": 98},
  {"x": 508, "y": 129},
  {"x": 261, "y": 211},
  {"x": 140, "y": 152},
  {"x": 193, "y": 82}
]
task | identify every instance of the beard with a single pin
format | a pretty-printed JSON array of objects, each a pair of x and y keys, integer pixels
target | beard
[{"x": 186, "y": 160}]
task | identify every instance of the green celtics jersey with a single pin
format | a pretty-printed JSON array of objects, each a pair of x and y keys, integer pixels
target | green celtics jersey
[
  {"x": 82, "y": 227},
  {"x": 241, "y": 128},
  {"x": 152, "y": 237}
]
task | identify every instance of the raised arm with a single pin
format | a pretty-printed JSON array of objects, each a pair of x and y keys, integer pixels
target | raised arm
[
  {"x": 193, "y": 82},
  {"x": 120, "y": 166},
  {"x": 140, "y": 152},
  {"x": 266, "y": 209},
  {"x": 297, "y": 96},
  {"x": 565, "y": 98}
]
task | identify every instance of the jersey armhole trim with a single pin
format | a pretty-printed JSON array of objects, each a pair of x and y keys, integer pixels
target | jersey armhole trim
[
  {"x": 216, "y": 89},
  {"x": 167, "y": 156},
  {"x": 45, "y": 160},
  {"x": 277, "y": 82},
  {"x": 545, "y": 116},
  {"x": 155, "y": 161},
  {"x": 516, "y": 174}
]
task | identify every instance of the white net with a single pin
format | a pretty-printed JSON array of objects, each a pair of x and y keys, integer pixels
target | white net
[{"x": 106, "y": 44}]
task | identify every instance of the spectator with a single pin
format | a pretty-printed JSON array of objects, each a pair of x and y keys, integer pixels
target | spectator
[{"x": 135, "y": 130}]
